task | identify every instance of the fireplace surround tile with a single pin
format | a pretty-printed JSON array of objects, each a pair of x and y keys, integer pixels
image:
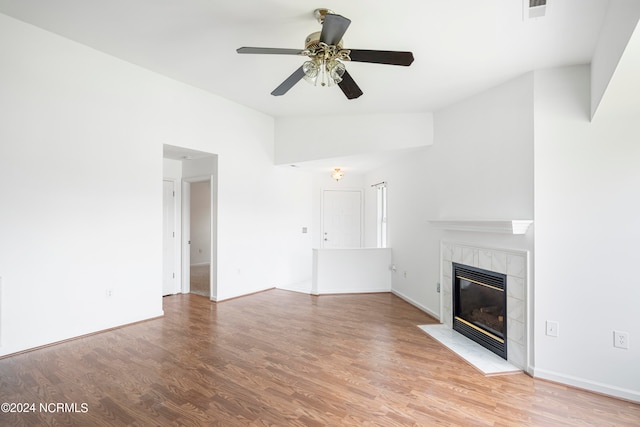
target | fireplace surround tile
[
  {"x": 469, "y": 256},
  {"x": 499, "y": 262},
  {"x": 446, "y": 251},
  {"x": 515, "y": 309},
  {"x": 446, "y": 269},
  {"x": 515, "y": 265},
  {"x": 515, "y": 331},
  {"x": 516, "y": 353},
  {"x": 484, "y": 259},
  {"x": 515, "y": 287},
  {"x": 456, "y": 253}
]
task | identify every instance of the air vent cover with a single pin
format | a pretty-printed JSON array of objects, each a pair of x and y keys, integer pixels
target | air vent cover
[{"x": 534, "y": 9}]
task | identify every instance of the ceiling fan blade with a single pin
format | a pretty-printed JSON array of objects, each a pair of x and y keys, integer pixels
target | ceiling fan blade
[
  {"x": 269, "y": 51},
  {"x": 381, "y": 57},
  {"x": 349, "y": 86},
  {"x": 289, "y": 82},
  {"x": 333, "y": 28}
]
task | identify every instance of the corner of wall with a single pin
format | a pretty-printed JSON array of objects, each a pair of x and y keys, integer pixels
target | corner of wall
[{"x": 620, "y": 23}]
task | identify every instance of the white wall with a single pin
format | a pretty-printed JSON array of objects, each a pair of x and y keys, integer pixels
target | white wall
[
  {"x": 172, "y": 169},
  {"x": 81, "y": 181},
  {"x": 620, "y": 23},
  {"x": 292, "y": 202},
  {"x": 587, "y": 215},
  {"x": 479, "y": 167},
  {"x": 300, "y": 138},
  {"x": 340, "y": 271},
  {"x": 407, "y": 206}
]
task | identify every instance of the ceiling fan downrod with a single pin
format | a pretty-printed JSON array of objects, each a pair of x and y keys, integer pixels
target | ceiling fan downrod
[{"x": 319, "y": 14}]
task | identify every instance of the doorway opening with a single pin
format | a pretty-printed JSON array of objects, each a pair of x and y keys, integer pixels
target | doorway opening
[
  {"x": 200, "y": 238},
  {"x": 195, "y": 175}
]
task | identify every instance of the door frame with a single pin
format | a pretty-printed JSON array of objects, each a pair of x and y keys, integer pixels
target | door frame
[{"x": 177, "y": 239}]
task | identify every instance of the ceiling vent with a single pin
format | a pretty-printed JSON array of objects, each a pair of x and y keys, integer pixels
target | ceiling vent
[{"x": 534, "y": 8}]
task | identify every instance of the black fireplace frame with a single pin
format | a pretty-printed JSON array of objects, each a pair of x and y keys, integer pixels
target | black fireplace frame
[{"x": 482, "y": 335}]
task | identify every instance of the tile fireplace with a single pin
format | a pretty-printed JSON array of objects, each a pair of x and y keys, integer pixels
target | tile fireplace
[{"x": 493, "y": 264}]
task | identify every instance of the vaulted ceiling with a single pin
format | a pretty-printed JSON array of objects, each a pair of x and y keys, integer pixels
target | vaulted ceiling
[{"x": 461, "y": 47}]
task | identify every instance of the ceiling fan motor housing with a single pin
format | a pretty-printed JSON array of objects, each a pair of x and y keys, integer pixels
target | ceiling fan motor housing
[{"x": 312, "y": 42}]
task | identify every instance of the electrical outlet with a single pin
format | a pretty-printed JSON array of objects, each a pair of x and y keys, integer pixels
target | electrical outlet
[
  {"x": 438, "y": 287},
  {"x": 621, "y": 339},
  {"x": 109, "y": 292},
  {"x": 404, "y": 274},
  {"x": 552, "y": 328}
]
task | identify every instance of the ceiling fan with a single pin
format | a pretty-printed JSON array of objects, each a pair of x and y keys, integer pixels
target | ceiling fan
[{"x": 326, "y": 55}]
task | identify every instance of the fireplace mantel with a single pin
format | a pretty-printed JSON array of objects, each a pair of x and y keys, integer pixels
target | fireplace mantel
[{"x": 508, "y": 226}]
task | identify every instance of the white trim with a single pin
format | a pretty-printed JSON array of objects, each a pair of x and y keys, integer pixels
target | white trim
[
  {"x": 353, "y": 291},
  {"x": 199, "y": 178},
  {"x": 416, "y": 304},
  {"x": 177, "y": 241},
  {"x": 302, "y": 287},
  {"x": 382, "y": 219},
  {"x": 619, "y": 392},
  {"x": 185, "y": 230},
  {"x": 507, "y": 226}
]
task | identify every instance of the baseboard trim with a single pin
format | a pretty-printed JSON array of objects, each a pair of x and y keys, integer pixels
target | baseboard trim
[
  {"x": 416, "y": 304},
  {"x": 352, "y": 291},
  {"x": 593, "y": 386},
  {"x": 302, "y": 287},
  {"x": 218, "y": 299}
]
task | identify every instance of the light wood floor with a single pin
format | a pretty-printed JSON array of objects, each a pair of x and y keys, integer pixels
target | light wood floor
[{"x": 280, "y": 358}]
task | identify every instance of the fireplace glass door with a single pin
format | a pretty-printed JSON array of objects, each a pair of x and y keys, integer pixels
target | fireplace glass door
[{"x": 480, "y": 307}]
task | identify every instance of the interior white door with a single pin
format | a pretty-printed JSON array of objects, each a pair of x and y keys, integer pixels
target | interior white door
[
  {"x": 168, "y": 239},
  {"x": 341, "y": 219}
]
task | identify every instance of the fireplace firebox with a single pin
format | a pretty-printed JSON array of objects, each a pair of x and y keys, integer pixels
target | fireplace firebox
[{"x": 479, "y": 307}]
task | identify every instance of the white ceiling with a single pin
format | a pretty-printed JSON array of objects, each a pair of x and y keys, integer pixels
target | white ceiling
[{"x": 461, "y": 47}]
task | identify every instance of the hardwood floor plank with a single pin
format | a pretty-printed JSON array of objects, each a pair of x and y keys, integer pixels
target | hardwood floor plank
[{"x": 281, "y": 358}]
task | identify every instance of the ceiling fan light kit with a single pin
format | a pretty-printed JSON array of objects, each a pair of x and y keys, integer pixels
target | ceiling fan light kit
[{"x": 327, "y": 55}]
